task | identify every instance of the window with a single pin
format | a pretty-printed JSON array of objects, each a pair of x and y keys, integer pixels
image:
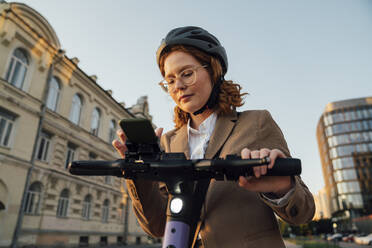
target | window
[
  {"x": 94, "y": 125},
  {"x": 359, "y": 114},
  {"x": 17, "y": 68},
  {"x": 92, "y": 156},
  {"x": 105, "y": 210},
  {"x": 348, "y": 187},
  {"x": 76, "y": 109},
  {"x": 33, "y": 199},
  {"x": 365, "y": 136},
  {"x": 119, "y": 240},
  {"x": 63, "y": 203},
  {"x": 84, "y": 241},
  {"x": 70, "y": 155},
  {"x": 87, "y": 207},
  {"x": 53, "y": 93},
  {"x": 329, "y": 119},
  {"x": 108, "y": 180},
  {"x": 112, "y": 131},
  {"x": 352, "y": 115},
  {"x": 340, "y": 163},
  {"x": 342, "y": 175},
  {"x": 6, "y": 126},
  {"x": 361, "y": 148},
  {"x": 338, "y": 117},
  {"x": 365, "y": 113},
  {"x": 341, "y": 151},
  {"x": 356, "y": 126},
  {"x": 340, "y": 128},
  {"x": 103, "y": 241},
  {"x": 329, "y": 131},
  {"x": 325, "y": 120},
  {"x": 43, "y": 147},
  {"x": 365, "y": 125},
  {"x": 355, "y": 137}
]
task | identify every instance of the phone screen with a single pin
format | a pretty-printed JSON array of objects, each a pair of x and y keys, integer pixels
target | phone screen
[{"x": 138, "y": 131}]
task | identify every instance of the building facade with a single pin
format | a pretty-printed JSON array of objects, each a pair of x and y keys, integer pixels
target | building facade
[
  {"x": 322, "y": 210},
  {"x": 344, "y": 135},
  {"x": 79, "y": 123}
]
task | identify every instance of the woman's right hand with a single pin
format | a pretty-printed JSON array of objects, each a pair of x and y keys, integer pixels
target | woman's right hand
[{"x": 120, "y": 146}]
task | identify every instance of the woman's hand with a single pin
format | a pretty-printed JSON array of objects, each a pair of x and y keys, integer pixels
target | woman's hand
[
  {"x": 279, "y": 185},
  {"x": 120, "y": 146}
]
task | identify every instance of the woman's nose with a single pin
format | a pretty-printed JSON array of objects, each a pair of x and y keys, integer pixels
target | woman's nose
[{"x": 178, "y": 84}]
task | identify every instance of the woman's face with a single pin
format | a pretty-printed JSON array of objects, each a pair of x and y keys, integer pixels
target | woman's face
[{"x": 188, "y": 98}]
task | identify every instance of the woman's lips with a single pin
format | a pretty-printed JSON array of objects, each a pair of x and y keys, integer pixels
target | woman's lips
[{"x": 184, "y": 98}]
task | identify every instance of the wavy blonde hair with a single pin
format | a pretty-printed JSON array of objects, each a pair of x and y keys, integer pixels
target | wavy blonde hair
[{"x": 229, "y": 97}]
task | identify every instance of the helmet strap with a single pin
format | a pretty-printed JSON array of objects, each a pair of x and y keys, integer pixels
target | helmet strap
[{"x": 213, "y": 97}]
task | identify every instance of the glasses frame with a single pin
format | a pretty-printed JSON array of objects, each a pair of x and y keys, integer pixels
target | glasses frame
[{"x": 163, "y": 83}]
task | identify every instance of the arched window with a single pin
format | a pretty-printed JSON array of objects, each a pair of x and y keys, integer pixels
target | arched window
[
  {"x": 63, "y": 203},
  {"x": 76, "y": 109},
  {"x": 105, "y": 210},
  {"x": 33, "y": 199},
  {"x": 112, "y": 130},
  {"x": 17, "y": 68},
  {"x": 94, "y": 125},
  {"x": 53, "y": 93},
  {"x": 87, "y": 206}
]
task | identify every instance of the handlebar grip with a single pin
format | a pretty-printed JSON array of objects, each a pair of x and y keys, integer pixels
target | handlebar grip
[
  {"x": 285, "y": 167},
  {"x": 231, "y": 169},
  {"x": 94, "y": 168}
]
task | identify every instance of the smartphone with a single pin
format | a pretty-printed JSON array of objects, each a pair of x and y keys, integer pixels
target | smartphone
[{"x": 138, "y": 131}]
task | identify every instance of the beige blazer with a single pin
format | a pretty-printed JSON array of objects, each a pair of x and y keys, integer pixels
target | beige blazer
[{"x": 232, "y": 216}]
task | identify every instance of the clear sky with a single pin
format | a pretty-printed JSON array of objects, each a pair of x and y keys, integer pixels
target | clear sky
[{"x": 293, "y": 57}]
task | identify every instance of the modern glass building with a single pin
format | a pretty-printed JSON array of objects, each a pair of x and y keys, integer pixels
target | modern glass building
[{"x": 344, "y": 134}]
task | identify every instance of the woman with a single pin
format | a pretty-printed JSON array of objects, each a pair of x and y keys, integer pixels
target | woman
[{"x": 193, "y": 64}]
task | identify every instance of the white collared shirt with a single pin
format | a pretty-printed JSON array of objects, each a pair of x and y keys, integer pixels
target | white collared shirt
[
  {"x": 198, "y": 142},
  {"x": 199, "y": 139}
]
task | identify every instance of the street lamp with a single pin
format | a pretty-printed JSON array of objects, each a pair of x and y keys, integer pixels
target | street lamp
[{"x": 334, "y": 227}]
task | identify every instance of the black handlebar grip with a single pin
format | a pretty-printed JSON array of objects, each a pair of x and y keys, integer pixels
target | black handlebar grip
[
  {"x": 94, "y": 168},
  {"x": 285, "y": 167}
]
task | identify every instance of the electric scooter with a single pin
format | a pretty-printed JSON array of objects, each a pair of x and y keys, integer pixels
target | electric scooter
[{"x": 186, "y": 180}]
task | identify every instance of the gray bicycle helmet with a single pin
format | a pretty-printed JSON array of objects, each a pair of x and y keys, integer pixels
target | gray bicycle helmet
[{"x": 198, "y": 38}]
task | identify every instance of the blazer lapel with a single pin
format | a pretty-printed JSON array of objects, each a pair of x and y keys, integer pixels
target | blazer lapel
[
  {"x": 222, "y": 130},
  {"x": 180, "y": 142}
]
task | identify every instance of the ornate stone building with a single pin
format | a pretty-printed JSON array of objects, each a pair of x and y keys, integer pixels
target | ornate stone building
[{"x": 79, "y": 123}]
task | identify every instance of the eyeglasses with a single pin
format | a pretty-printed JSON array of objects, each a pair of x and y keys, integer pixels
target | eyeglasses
[{"x": 187, "y": 77}]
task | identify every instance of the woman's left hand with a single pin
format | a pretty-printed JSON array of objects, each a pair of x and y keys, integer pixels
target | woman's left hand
[{"x": 279, "y": 185}]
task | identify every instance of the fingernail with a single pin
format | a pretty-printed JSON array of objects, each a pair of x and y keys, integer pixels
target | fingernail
[{"x": 117, "y": 143}]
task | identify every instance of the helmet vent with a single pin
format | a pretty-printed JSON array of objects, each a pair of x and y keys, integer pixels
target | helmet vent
[
  {"x": 183, "y": 31},
  {"x": 205, "y": 38},
  {"x": 196, "y": 32}
]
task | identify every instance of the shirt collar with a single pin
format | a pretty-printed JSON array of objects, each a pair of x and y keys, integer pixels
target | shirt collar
[{"x": 207, "y": 126}]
